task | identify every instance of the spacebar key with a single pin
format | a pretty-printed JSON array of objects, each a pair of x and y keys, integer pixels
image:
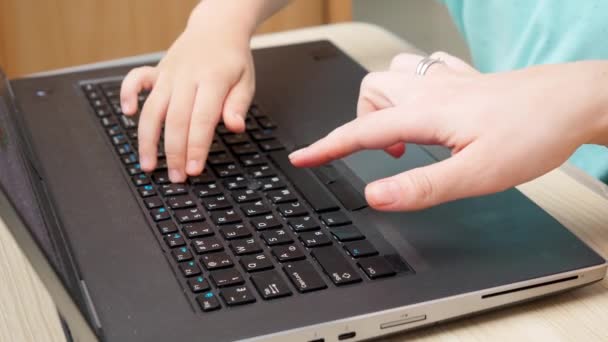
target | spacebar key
[
  {"x": 314, "y": 193},
  {"x": 335, "y": 265}
]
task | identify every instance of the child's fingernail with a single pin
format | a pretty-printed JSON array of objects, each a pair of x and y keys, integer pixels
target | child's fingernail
[
  {"x": 193, "y": 166},
  {"x": 125, "y": 107},
  {"x": 176, "y": 176},
  {"x": 145, "y": 162}
]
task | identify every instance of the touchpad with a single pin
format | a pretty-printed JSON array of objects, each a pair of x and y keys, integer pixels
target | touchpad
[{"x": 371, "y": 165}]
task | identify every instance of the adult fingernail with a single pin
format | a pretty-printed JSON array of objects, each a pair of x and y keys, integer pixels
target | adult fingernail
[
  {"x": 175, "y": 175},
  {"x": 383, "y": 193},
  {"x": 193, "y": 166},
  {"x": 296, "y": 154}
]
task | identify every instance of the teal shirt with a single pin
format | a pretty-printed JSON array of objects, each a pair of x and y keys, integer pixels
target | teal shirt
[{"x": 511, "y": 34}]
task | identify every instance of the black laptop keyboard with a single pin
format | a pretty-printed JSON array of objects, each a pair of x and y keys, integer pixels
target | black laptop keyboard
[{"x": 241, "y": 226}]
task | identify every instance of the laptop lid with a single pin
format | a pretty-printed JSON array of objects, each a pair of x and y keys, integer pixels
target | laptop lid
[{"x": 23, "y": 212}]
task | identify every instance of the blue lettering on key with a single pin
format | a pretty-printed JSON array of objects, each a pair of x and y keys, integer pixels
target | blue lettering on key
[
  {"x": 148, "y": 187},
  {"x": 208, "y": 294},
  {"x": 356, "y": 251},
  {"x": 199, "y": 279},
  {"x": 162, "y": 210},
  {"x": 184, "y": 249}
]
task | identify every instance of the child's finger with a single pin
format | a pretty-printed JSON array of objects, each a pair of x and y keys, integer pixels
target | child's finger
[{"x": 135, "y": 81}]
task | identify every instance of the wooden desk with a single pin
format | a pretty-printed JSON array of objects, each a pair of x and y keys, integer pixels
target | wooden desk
[{"x": 27, "y": 313}]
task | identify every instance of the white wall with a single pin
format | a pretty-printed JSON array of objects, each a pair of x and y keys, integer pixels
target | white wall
[{"x": 424, "y": 23}]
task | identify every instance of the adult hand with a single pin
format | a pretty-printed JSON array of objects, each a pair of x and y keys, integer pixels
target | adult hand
[{"x": 503, "y": 129}]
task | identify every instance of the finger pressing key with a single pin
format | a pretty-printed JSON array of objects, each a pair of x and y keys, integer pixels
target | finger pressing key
[
  {"x": 150, "y": 123},
  {"x": 205, "y": 116},
  {"x": 177, "y": 126}
]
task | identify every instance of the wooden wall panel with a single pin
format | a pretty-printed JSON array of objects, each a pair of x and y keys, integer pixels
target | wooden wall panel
[{"x": 41, "y": 35}]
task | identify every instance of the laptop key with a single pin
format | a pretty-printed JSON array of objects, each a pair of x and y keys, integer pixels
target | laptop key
[
  {"x": 216, "y": 261},
  {"x": 160, "y": 214},
  {"x": 266, "y": 134},
  {"x": 237, "y": 295},
  {"x": 113, "y": 130},
  {"x": 228, "y": 170},
  {"x": 255, "y": 209},
  {"x": 130, "y": 158},
  {"x": 265, "y": 122},
  {"x": 204, "y": 178},
  {"x": 337, "y": 218},
  {"x": 251, "y": 125},
  {"x": 265, "y": 222},
  {"x": 314, "y": 193},
  {"x": 292, "y": 209},
  {"x": 189, "y": 215},
  {"x": 197, "y": 229},
  {"x": 206, "y": 245},
  {"x": 303, "y": 224},
  {"x": 347, "y": 233},
  {"x": 220, "y": 159},
  {"x": 216, "y": 203},
  {"x": 206, "y": 190},
  {"x": 173, "y": 189},
  {"x": 253, "y": 160},
  {"x": 235, "y": 231},
  {"x": 276, "y": 237},
  {"x": 198, "y": 284},
  {"x": 245, "y": 246},
  {"x": 271, "y": 145},
  {"x": 262, "y": 171},
  {"x": 153, "y": 202},
  {"x": 109, "y": 121},
  {"x": 376, "y": 267},
  {"x": 304, "y": 276},
  {"x": 181, "y": 254},
  {"x": 227, "y": 277},
  {"x": 315, "y": 239},
  {"x": 243, "y": 196},
  {"x": 175, "y": 240},
  {"x": 134, "y": 169},
  {"x": 285, "y": 253},
  {"x": 189, "y": 269},
  {"x": 281, "y": 196},
  {"x": 161, "y": 177},
  {"x": 124, "y": 149},
  {"x": 361, "y": 248},
  {"x": 140, "y": 180},
  {"x": 147, "y": 191},
  {"x": 256, "y": 262},
  {"x": 208, "y": 302},
  {"x": 244, "y": 149},
  {"x": 216, "y": 148},
  {"x": 270, "y": 285},
  {"x": 181, "y": 202},
  {"x": 335, "y": 265},
  {"x": 236, "y": 183},
  {"x": 166, "y": 227},
  {"x": 235, "y": 139},
  {"x": 272, "y": 183},
  {"x": 226, "y": 217}
]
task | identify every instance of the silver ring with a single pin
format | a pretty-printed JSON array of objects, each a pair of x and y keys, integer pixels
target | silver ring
[{"x": 425, "y": 64}]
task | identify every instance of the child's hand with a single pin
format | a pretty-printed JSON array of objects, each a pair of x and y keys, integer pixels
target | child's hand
[{"x": 207, "y": 73}]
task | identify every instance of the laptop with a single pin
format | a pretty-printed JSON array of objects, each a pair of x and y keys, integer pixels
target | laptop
[{"x": 255, "y": 248}]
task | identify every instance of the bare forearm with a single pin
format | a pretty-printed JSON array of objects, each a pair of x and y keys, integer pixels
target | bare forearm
[{"x": 244, "y": 16}]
